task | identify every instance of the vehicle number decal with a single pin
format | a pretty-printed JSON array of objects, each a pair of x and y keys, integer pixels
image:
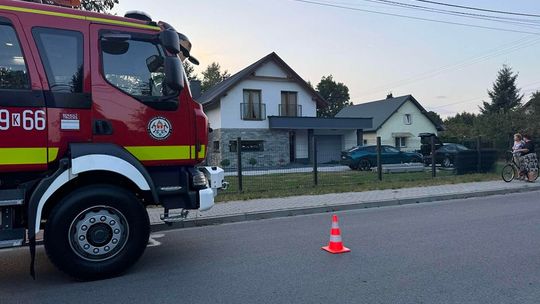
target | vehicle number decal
[{"x": 29, "y": 120}]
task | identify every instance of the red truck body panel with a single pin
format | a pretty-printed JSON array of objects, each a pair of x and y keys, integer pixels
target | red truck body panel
[{"x": 131, "y": 120}]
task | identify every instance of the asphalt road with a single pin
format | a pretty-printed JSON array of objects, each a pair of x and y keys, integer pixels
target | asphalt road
[{"x": 482, "y": 250}]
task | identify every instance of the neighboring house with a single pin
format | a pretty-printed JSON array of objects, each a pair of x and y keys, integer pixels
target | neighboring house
[
  {"x": 274, "y": 111},
  {"x": 397, "y": 120}
]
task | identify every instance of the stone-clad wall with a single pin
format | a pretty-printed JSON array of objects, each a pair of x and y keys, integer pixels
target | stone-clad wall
[{"x": 276, "y": 147}]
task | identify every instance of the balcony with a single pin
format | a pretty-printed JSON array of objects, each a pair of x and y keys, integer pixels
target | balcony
[
  {"x": 290, "y": 110},
  {"x": 253, "y": 111}
]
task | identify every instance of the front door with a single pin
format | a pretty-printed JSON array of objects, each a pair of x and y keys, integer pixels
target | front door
[
  {"x": 292, "y": 146},
  {"x": 129, "y": 93}
]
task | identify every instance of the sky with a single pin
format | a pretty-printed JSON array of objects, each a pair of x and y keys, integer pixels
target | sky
[{"x": 448, "y": 68}]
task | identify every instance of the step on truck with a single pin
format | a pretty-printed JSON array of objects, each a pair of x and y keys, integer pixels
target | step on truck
[{"x": 97, "y": 122}]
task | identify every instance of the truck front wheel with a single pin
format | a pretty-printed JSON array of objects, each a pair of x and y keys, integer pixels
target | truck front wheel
[{"x": 97, "y": 232}]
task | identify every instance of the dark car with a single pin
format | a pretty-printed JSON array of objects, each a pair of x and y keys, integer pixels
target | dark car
[
  {"x": 445, "y": 155},
  {"x": 365, "y": 157}
]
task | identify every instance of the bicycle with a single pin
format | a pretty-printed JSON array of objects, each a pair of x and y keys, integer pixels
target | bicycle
[{"x": 511, "y": 169}]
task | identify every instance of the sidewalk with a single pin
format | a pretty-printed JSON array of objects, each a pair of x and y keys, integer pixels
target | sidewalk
[{"x": 236, "y": 211}]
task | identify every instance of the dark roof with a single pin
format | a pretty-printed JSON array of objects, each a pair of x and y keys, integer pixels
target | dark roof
[
  {"x": 382, "y": 110},
  {"x": 219, "y": 90}
]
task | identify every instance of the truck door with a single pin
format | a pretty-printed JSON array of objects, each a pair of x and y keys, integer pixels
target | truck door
[
  {"x": 23, "y": 127},
  {"x": 131, "y": 106},
  {"x": 63, "y": 65}
]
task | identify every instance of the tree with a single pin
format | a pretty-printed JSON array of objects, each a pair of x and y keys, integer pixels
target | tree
[
  {"x": 459, "y": 127},
  {"x": 212, "y": 76},
  {"x": 190, "y": 71},
  {"x": 533, "y": 105},
  {"x": 335, "y": 93},
  {"x": 99, "y": 6},
  {"x": 435, "y": 118},
  {"x": 505, "y": 95}
]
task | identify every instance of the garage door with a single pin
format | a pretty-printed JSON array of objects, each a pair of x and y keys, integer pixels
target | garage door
[{"x": 328, "y": 148}]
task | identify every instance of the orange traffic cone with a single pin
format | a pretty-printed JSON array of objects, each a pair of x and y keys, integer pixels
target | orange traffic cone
[{"x": 336, "y": 244}]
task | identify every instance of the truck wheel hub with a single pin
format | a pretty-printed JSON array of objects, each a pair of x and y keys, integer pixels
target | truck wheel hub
[{"x": 98, "y": 233}]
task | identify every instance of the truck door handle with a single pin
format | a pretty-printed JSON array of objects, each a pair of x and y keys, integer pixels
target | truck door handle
[{"x": 102, "y": 127}]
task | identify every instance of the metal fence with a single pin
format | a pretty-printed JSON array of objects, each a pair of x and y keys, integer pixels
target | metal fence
[{"x": 251, "y": 171}]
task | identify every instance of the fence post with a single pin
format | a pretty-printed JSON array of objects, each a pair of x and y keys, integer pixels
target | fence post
[
  {"x": 433, "y": 167},
  {"x": 379, "y": 160},
  {"x": 239, "y": 163},
  {"x": 315, "y": 168},
  {"x": 479, "y": 154}
]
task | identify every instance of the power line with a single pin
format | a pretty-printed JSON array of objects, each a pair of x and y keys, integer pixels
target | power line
[
  {"x": 516, "y": 21},
  {"x": 478, "y": 9},
  {"x": 475, "y": 98},
  {"x": 414, "y": 18},
  {"x": 498, "y": 51}
]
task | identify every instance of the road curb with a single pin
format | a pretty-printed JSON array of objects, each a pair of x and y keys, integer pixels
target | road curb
[{"x": 251, "y": 216}]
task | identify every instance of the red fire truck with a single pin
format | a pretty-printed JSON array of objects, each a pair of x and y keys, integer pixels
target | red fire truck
[{"x": 96, "y": 123}]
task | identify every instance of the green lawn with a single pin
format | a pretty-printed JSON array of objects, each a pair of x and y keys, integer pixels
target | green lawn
[{"x": 291, "y": 184}]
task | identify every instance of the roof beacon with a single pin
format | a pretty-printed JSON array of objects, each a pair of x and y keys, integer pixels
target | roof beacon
[{"x": 138, "y": 15}]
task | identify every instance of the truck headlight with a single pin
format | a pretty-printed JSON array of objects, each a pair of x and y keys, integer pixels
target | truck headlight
[{"x": 199, "y": 179}]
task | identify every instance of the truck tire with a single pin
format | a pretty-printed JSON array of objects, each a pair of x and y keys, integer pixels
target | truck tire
[{"x": 97, "y": 232}]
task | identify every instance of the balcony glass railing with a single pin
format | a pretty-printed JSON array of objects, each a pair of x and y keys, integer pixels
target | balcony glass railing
[
  {"x": 290, "y": 110},
  {"x": 253, "y": 111}
]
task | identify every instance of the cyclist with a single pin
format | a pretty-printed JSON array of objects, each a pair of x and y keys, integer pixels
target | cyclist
[{"x": 528, "y": 160}]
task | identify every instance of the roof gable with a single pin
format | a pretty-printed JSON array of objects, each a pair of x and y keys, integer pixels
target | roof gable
[
  {"x": 219, "y": 90},
  {"x": 382, "y": 110}
]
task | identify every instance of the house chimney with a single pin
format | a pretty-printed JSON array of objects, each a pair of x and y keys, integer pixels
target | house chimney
[
  {"x": 389, "y": 95},
  {"x": 195, "y": 88}
]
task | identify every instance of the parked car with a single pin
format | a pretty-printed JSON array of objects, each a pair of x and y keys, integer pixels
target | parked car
[
  {"x": 446, "y": 154},
  {"x": 365, "y": 157}
]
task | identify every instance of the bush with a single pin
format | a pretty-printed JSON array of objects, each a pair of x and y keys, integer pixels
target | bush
[
  {"x": 225, "y": 163},
  {"x": 252, "y": 162}
]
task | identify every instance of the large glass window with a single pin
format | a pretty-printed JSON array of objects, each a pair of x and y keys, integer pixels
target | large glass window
[
  {"x": 252, "y": 108},
  {"x": 62, "y": 56},
  {"x": 289, "y": 104},
  {"x": 136, "y": 67},
  {"x": 13, "y": 73}
]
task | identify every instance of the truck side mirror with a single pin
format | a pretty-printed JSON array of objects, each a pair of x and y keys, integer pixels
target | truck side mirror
[
  {"x": 174, "y": 78},
  {"x": 169, "y": 40}
]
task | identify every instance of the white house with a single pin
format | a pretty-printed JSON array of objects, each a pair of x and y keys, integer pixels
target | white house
[
  {"x": 274, "y": 111},
  {"x": 397, "y": 120}
]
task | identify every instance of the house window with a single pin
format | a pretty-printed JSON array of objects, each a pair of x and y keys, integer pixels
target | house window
[
  {"x": 289, "y": 104},
  {"x": 247, "y": 146},
  {"x": 365, "y": 141},
  {"x": 401, "y": 142},
  {"x": 252, "y": 108},
  {"x": 407, "y": 119},
  {"x": 215, "y": 146}
]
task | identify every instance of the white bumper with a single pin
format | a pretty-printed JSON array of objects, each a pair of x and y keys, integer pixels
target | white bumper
[{"x": 216, "y": 180}]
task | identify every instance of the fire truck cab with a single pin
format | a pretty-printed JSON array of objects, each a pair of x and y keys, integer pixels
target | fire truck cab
[{"x": 96, "y": 123}]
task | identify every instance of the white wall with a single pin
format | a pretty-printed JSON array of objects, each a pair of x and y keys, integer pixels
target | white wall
[
  {"x": 214, "y": 117},
  {"x": 270, "y": 95},
  {"x": 371, "y": 138},
  {"x": 270, "y": 69},
  {"x": 420, "y": 124}
]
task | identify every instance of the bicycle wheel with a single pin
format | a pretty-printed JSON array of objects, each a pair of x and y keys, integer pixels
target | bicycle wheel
[{"x": 508, "y": 173}]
